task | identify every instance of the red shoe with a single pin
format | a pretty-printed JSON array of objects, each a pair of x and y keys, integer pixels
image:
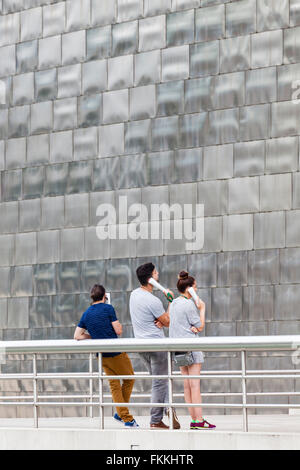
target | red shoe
[{"x": 202, "y": 425}]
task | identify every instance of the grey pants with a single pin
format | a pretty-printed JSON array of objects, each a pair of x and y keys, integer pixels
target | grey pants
[{"x": 157, "y": 364}]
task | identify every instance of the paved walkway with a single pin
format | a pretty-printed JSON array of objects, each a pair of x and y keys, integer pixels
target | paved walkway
[{"x": 278, "y": 424}]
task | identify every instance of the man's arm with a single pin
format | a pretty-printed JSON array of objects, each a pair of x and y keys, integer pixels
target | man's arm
[
  {"x": 117, "y": 327},
  {"x": 164, "y": 319},
  {"x": 80, "y": 334}
]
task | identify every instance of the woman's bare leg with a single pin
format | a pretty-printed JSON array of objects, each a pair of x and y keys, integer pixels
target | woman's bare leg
[
  {"x": 187, "y": 391},
  {"x": 194, "y": 384}
]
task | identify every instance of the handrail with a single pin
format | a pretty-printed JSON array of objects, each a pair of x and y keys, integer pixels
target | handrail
[
  {"x": 224, "y": 343},
  {"x": 239, "y": 344}
]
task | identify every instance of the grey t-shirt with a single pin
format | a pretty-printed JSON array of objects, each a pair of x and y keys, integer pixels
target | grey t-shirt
[
  {"x": 183, "y": 315},
  {"x": 145, "y": 308}
]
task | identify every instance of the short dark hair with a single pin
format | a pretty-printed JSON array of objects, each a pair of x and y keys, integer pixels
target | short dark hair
[
  {"x": 184, "y": 281},
  {"x": 97, "y": 293},
  {"x": 144, "y": 273}
]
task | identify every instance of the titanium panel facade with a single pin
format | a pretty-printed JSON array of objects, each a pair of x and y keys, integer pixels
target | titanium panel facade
[{"x": 163, "y": 101}]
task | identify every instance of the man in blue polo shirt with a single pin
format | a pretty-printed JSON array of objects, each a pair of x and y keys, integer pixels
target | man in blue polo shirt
[{"x": 99, "y": 321}]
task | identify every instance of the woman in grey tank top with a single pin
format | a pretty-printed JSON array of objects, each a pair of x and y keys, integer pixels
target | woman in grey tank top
[{"x": 186, "y": 320}]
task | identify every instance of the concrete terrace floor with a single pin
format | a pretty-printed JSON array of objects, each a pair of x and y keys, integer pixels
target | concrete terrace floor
[
  {"x": 275, "y": 432},
  {"x": 225, "y": 423}
]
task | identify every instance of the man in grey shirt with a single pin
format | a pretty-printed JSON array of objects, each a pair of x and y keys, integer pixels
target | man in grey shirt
[{"x": 148, "y": 318}]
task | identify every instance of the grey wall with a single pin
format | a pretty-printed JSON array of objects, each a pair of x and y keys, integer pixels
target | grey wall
[{"x": 160, "y": 100}]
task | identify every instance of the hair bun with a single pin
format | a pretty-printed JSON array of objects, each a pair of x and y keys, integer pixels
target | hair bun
[{"x": 183, "y": 275}]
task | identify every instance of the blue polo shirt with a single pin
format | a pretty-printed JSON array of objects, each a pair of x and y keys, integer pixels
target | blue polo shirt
[{"x": 97, "y": 320}]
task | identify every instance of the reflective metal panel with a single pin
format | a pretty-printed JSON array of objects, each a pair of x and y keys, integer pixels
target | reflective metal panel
[
  {"x": 65, "y": 114},
  {"x": 188, "y": 165},
  {"x": 152, "y": 33},
  {"x": 94, "y": 76},
  {"x": 30, "y": 213},
  {"x": 255, "y": 122},
  {"x": 53, "y": 212},
  {"x": 72, "y": 244},
  {"x": 261, "y": 86},
  {"x": 241, "y": 18},
  {"x": 159, "y": 167},
  {"x": 243, "y": 195},
  {"x": 89, "y": 110},
  {"x": 263, "y": 267},
  {"x": 238, "y": 232},
  {"x": 164, "y": 133},
  {"x": 49, "y": 51},
  {"x": 275, "y": 192},
  {"x": 120, "y": 72},
  {"x": 85, "y": 143},
  {"x": 40, "y": 312},
  {"x": 266, "y": 49},
  {"x": 15, "y": 153},
  {"x": 18, "y": 313},
  {"x": 111, "y": 140},
  {"x": 214, "y": 196},
  {"x": 180, "y": 28},
  {"x": 7, "y": 60},
  {"x": 155, "y": 7},
  {"x": 147, "y": 68},
  {"x": 5, "y": 286},
  {"x": 98, "y": 43},
  {"x": 54, "y": 19},
  {"x": 45, "y": 83},
  {"x": 44, "y": 279},
  {"x": 80, "y": 177},
  {"x": 291, "y": 45},
  {"x": 269, "y": 230},
  {"x": 9, "y": 217},
  {"x": 199, "y": 94},
  {"x": 272, "y": 14},
  {"x": 124, "y": 38},
  {"x": 73, "y": 47},
  {"x": 76, "y": 210},
  {"x": 282, "y": 155},
  {"x": 137, "y": 137},
  {"x": 115, "y": 106},
  {"x": 294, "y": 12},
  {"x": 129, "y": 9},
  {"x": 104, "y": 12},
  {"x": 235, "y": 54},
  {"x": 77, "y": 14},
  {"x": 142, "y": 102},
  {"x": 232, "y": 269},
  {"x": 106, "y": 174},
  {"x": 289, "y": 266},
  {"x": 218, "y": 162},
  {"x": 175, "y": 63},
  {"x": 56, "y": 179},
  {"x": 210, "y": 23},
  {"x": 26, "y": 56},
  {"x": 31, "y": 24},
  {"x": 69, "y": 81}
]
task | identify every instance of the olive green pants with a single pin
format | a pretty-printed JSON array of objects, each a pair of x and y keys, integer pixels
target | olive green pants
[{"x": 120, "y": 365}]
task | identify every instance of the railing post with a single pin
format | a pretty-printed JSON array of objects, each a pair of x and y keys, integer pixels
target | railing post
[
  {"x": 101, "y": 407},
  {"x": 35, "y": 393},
  {"x": 91, "y": 384},
  {"x": 244, "y": 390},
  {"x": 170, "y": 380}
]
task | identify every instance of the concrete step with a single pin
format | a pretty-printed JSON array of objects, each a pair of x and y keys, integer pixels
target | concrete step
[{"x": 265, "y": 432}]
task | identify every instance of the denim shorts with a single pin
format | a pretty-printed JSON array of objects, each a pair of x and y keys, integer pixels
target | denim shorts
[{"x": 198, "y": 357}]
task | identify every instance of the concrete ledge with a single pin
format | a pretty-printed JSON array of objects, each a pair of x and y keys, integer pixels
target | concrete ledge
[
  {"x": 93, "y": 439},
  {"x": 268, "y": 432}
]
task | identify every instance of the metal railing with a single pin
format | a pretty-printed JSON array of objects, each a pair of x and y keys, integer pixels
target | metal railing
[{"x": 240, "y": 345}]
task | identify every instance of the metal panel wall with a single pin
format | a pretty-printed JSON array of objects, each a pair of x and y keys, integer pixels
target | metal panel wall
[{"x": 162, "y": 101}]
